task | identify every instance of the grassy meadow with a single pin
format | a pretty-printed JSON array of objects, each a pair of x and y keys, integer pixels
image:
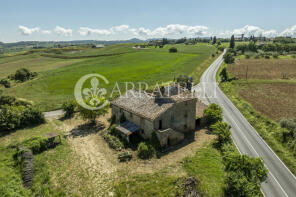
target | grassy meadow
[{"x": 58, "y": 76}]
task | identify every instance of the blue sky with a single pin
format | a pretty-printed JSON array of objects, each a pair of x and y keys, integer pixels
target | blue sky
[{"x": 124, "y": 19}]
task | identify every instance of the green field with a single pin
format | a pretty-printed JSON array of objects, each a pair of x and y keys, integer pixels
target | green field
[{"x": 58, "y": 76}]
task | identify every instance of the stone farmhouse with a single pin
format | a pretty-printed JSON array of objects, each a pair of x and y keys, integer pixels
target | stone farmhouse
[{"x": 170, "y": 112}]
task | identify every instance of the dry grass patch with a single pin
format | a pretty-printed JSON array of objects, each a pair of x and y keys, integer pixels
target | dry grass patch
[
  {"x": 276, "y": 100},
  {"x": 270, "y": 69}
]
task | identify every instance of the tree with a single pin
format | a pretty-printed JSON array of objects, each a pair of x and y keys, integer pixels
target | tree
[
  {"x": 5, "y": 83},
  {"x": 213, "y": 114},
  {"x": 214, "y": 40},
  {"x": 23, "y": 74},
  {"x": 145, "y": 151},
  {"x": 221, "y": 129},
  {"x": 69, "y": 108},
  {"x": 252, "y": 46},
  {"x": 173, "y": 50},
  {"x": 237, "y": 185},
  {"x": 232, "y": 44},
  {"x": 91, "y": 115},
  {"x": 228, "y": 58},
  {"x": 224, "y": 75}
]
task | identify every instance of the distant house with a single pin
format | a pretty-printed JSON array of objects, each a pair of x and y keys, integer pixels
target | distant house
[
  {"x": 98, "y": 46},
  {"x": 170, "y": 113}
]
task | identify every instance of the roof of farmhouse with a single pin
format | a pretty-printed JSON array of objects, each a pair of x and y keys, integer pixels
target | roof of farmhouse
[{"x": 145, "y": 105}]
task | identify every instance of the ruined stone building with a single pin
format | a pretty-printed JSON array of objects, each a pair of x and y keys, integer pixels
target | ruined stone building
[{"x": 171, "y": 113}]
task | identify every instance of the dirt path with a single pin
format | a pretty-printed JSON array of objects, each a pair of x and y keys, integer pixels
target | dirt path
[{"x": 100, "y": 162}]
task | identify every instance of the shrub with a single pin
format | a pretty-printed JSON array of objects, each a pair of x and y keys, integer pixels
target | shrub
[
  {"x": 228, "y": 58},
  {"x": 213, "y": 55},
  {"x": 224, "y": 75},
  {"x": 125, "y": 156},
  {"x": 237, "y": 185},
  {"x": 113, "y": 142},
  {"x": 36, "y": 144},
  {"x": 22, "y": 74},
  {"x": 91, "y": 115},
  {"x": 221, "y": 129},
  {"x": 275, "y": 55},
  {"x": 252, "y": 168},
  {"x": 213, "y": 114},
  {"x": 69, "y": 108},
  {"x": 5, "y": 83},
  {"x": 173, "y": 50},
  {"x": 145, "y": 151},
  {"x": 7, "y": 100},
  {"x": 266, "y": 56},
  {"x": 11, "y": 100},
  {"x": 31, "y": 116},
  {"x": 221, "y": 48},
  {"x": 15, "y": 117},
  {"x": 247, "y": 56}
]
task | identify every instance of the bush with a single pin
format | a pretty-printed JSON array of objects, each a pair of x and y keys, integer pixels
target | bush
[
  {"x": 31, "y": 116},
  {"x": 113, "y": 141},
  {"x": 252, "y": 168},
  {"x": 5, "y": 83},
  {"x": 16, "y": 117},
  {"x": 145, "y": 151},
  {"x": 275, "y": 55},
  {"x": 237, "y": 185},
  {"x": 24, "y": 74},
  {"x": 221, "y": 129},
  {"x": 224, "y": 75},
  {"x": 7, "y": 100},
  {"x": 36, "y": 144},
  {"x": 229, "y": 58},
  {"x": 11, "y": 100},
  {"x": 173, "y": 50},
  {"x": 125, "y": 156},
  {"x": 213, "y": 114},
  {"x": 266, "y": 56},
  {"x": 69, "y": 108}
]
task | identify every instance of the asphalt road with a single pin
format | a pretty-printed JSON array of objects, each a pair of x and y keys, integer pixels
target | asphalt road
[{"x": 280, "y": 181}]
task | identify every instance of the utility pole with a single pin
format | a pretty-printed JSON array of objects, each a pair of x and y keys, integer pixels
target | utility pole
[{"x": 247, "y": 72}]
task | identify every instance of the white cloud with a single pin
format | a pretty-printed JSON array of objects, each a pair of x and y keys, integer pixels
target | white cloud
[
  {"x": 46, "y": 32},
  {"x": 173, "y": 29},
  {"x": 289, "y": 31},
  {"x": 62, "y": 31},
  {"x": 250, "y": 30},
  {"x": 120, "y": 28},
  {"x": 28, "y": 31},
  {"x": 270, "y": 33},
  {"x": 85, "y": 31}
]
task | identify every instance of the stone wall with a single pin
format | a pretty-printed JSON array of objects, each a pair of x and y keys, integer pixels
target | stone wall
[
  {"x": 169, "y": 137},
  {"x": 180, "y": 117},
  {"x": 145, "y": 124}
]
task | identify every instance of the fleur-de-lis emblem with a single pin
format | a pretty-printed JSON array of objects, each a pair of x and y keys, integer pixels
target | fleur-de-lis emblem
[{"x": 94, "y": 94}]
